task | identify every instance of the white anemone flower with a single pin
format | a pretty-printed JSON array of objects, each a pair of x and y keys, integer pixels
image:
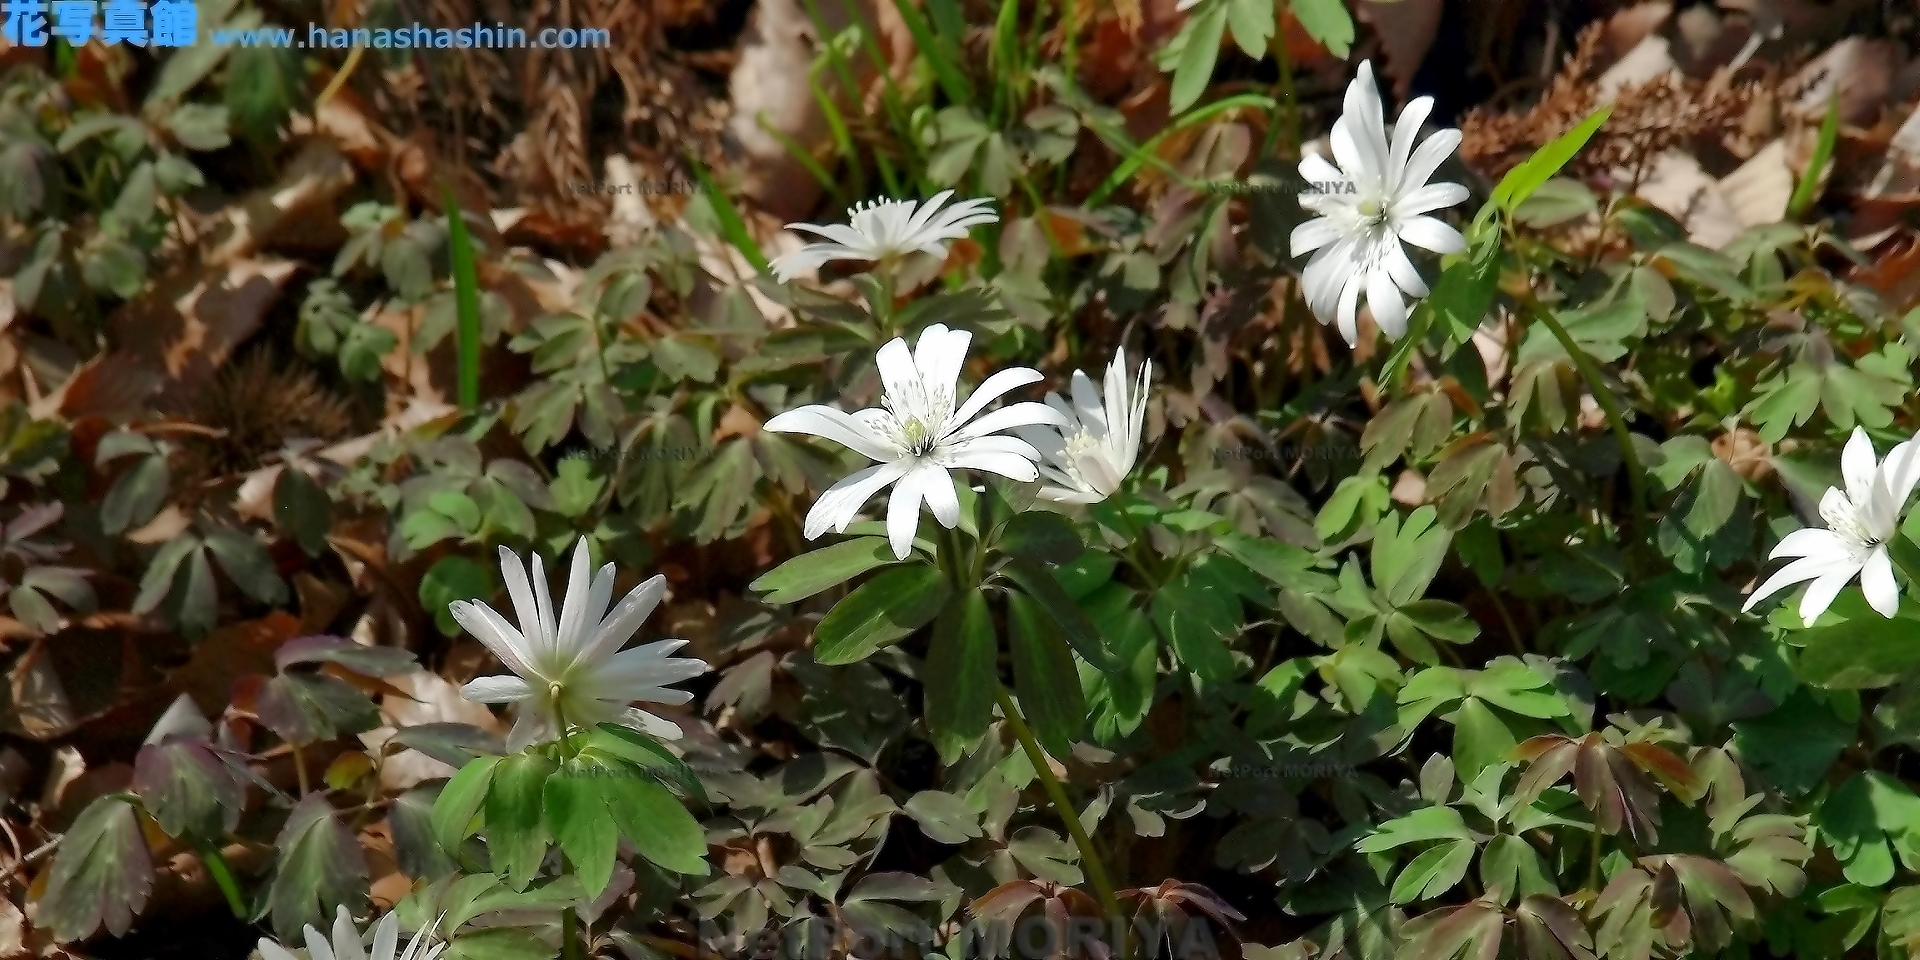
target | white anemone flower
[
  {"x": 918, "y": 434},
  {"x": 1860, "y": 521},
  {"x": 884, "y": 230},
  {"x": 1375, "y": 199},
  {"x": 1086, "y": 462},
  {"x": 574, "y": 671},
  {"x": 346, "y": 943}
]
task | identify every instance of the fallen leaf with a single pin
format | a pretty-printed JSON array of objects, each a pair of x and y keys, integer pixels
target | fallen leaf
[
  {"x": 1760, "y": 190},
  {"x": 428, "y": 699}
]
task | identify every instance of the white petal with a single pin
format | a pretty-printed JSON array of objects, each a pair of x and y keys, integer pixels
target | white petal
[
  {"x": 903, "y": 513},
  {"x": 529, "y": 727},
  {"x": 1011, "y": 465},
  {"x": 939, "y": 356},
  {"x": 1346, "y": 315},
  {"x": 1820, "y": 593},
  {"x": 270, "y": 950},
  {"x": 1858, "y": 465},
  {"x": 1810, "y": 542},
  {"x": 837, "y": 425},
  {"x": 1805, "y": 568},
  {"x": 899, "y": 377},
  {"x": 520, "y": 591},
  {"x": 1023, "y": 414},
  {"x": 1405, "y": 131},
  {"x": 346, "y": 937},
  {"x": 1312, "y": 235},
  {"x": 500, "y": 639},
  {"x": 789, "y": 265},
  {"x": 1433, "y": 196},
  {"x": 572, "y": 634},
  {"x": 837, "y": 507},
  {"x": 497, "y": 690},
  {"x": 613, "y": 632},
  {"x": 1428, "y": 157},
  {"x": 936, "y": 486},
  {"x": 317, "y": 946},
  {"x": 1401, "y": 269},
  {"x": 386, "y": 936},
  {"x": 657, "y": 727},
  {"x": 990, "y": 390},
  {"x": 542, "y": 642},
  {"x": 1433, "y": 235},
  {"x": 1383, "y": 299},
  {"x": 1876, "y": 581}
]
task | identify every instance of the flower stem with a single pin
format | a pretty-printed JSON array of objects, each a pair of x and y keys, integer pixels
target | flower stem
[
  {"x": 569, "y": 936},
  {"x": 1057, "y": 794},
  {"x": 1287, "y": 116},
  {"x": 1609, "y": 404}
]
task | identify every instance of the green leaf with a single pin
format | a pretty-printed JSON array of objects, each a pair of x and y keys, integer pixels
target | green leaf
[
  {"x": 466, "y": 292},
  {"x": 1480, "y": 739},
  {"x": 1042, "y": 537},
  {"x": 1435, "y": 871},
  {"x": 579, "y": 819},
  {"x": 1555, "y": 202},
  {"x": 1521, "y": 182},
  {"x": 452, "y": 578},
  {"x": 199, "y": 126},
  {"x": 102, "y": 873},
  {"x": 1039, "y": 584},
  {"x": 1197, "y": 616},
  {"x": 247, "y": 563},
  {"x": 823, "y": 569},
  {"x": 187, "y": 788},
  {"x": 660, "y": 828},
  {"x": 943, "y": 817},
  {"x": 962, "y": 671},
  {"x": 456, "y": 814},
  {"x": 1861, "y": 654},
  {"x": 303, "y": 509},
  {"x": 319, "y": 867},
  {"x": 1328, "y": 22},
  {"x": 516, "y": 831},
  {"x": 137, "y": 496},
  {"x": 1200, "y": 48},
  {"x": 884, "y": 610},
  {"x": 1044, "y": 677}
]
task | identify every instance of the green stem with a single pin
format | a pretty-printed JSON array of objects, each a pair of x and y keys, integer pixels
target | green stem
[
  {"x": 569, "y": 935},
  {"x": 1609, "y": 404},
  {"x": 223, "y": 878},
  {"x": 1089, "y": 858},
  {"x": 1287, "y": 116}
]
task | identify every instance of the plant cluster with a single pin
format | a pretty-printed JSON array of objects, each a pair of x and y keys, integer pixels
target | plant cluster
[{"x": 1511, "y": 679}]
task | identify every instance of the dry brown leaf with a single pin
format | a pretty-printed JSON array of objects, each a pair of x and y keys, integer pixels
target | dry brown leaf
[
  {"x": 427, "y": 699},
  {"x": 317, "y": 175},
  {"x": 1628, "y": 27},
  {"x": 1406, "y": 29},
  {"x": 1760, "y": 190},
  {"x": 1649, "y": 60},
  {"x": 1684, "y": 191},
  {"x": 1861, "y": 70},
  {"x": 770, "y": 82}
]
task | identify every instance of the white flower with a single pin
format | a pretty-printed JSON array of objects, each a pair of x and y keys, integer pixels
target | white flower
[
  {"x": 1086, "y": 462},
  {"x": 1860, "y": 521},
  {"x": 883, "y": 229},
  {"x": 918, "y": 434},
  {"x": 575, "y": 670},
  {"x": 1375, "y": 198},
  {"x": 346, "y": 943}
]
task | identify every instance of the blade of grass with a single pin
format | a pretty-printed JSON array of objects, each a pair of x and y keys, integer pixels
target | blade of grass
[
  {"x": 732, "y": 226},
  {"x": 466, "y": 299},
  {"x": 837, "y": 127},
  {"x": 939, "y": 56},
  {"x": 1144, "y": 153},
  {"x": 890, "y": 98},
  {"x": 1006, "y": 32},
  {"x": 1806, "y": 191},
  {"x": 802, "y": 157}
]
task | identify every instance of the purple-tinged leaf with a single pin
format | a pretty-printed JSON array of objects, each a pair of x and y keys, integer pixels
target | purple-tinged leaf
[
  {"x": 310, "y": 708},
  {"x": 102, "y": 874},
  {"x": 358, "y": 657},
  {"x": 187, "y": 788},
  {"x": 450, "y": 743}
]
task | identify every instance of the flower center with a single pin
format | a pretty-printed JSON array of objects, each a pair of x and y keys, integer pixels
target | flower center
[
  {"x": 1844, "y": 519},
  {"x": 919, "y": 442}
]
